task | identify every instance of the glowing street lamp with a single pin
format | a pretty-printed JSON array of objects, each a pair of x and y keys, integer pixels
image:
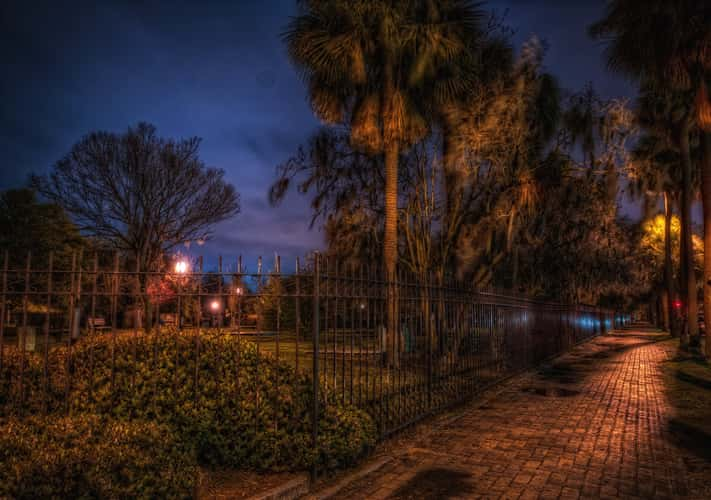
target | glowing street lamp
[
  {"x": 215, "y": 306},
  {"x": 181, "y": 267}
]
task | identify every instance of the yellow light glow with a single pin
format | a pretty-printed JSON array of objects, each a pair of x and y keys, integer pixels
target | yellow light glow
[{"x": 653, "y": 239}]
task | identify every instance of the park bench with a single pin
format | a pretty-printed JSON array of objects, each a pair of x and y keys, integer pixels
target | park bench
[
  {"x": 168, "y": 319},
  {"x": 97, "y": 324}
]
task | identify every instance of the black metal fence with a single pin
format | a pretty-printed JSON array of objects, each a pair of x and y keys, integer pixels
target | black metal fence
[{"x": 446, "y": 341}]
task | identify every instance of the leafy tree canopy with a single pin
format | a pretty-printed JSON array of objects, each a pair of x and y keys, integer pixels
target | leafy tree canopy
[{"x": 28, "y": 224}]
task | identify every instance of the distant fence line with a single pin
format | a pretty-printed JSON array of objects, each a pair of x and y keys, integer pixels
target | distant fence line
[{"x": 326, "y": 320}]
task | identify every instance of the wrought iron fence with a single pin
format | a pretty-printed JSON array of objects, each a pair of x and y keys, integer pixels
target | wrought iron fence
[{"x": 400, "y": 349}]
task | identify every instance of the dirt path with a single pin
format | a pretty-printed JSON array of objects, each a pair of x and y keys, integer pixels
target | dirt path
[{"x": 593, "y": 424}]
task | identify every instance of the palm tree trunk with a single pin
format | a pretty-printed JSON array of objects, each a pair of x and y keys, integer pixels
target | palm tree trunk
[
  {"x": 668, "y": 275},
  {"x": 664, "y": 305},
  {"x": 690, "y": 335},
  {"x": 706, "y": 198},
  {"x": 451, "y": 184},
  {"x": 681, "y": 284},
  {"x": 514, "y": 272},
  {"x": 390, "y": 253},
  {"x": 390, "y": 247}
]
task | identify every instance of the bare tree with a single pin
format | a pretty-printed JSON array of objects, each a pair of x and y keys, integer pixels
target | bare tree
[{"x": 141, "y": 193}]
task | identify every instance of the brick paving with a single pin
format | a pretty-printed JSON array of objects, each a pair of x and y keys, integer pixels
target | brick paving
[{"x": 592, "y": 424}]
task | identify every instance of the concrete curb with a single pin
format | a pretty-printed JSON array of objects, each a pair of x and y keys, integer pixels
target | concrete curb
[
  {"x": 332, "y": 491},
  {"x": 290, "y": 490}
]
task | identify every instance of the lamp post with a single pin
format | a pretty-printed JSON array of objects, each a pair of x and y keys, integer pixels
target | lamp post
[
  {"x": 181, "y": 269},
  {"x": 215, "y": 307},
  {"x": 238, "y": 291}
]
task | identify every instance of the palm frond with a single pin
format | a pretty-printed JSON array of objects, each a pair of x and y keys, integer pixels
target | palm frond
[
  {"x": 703, "y": 108},
  {"x": 366, "y": 132}
]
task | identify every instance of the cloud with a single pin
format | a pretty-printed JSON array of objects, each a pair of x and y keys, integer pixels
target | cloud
[{"x": 217, "y": 70}]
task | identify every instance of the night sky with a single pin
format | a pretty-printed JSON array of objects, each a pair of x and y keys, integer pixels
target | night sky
[{"x": 217, "y": 70}]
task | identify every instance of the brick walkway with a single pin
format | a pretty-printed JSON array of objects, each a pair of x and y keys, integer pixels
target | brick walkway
[{"x": 592, "y": 424}]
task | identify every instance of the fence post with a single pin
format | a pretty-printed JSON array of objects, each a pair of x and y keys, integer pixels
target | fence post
[
  {"x": 23, "y": 336},
  {"x": 2, "y": 308},
  {"x": 45, "y": 368},
  {"x": 430, "y": 336},
  {"x": 315, "y": 375},
  {"x": 197, "y": 331}
]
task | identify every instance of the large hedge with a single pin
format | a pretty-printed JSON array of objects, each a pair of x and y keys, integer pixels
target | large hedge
[
  {"x": 239, "y": 408},
  {"x": 89, "y": 457},
  {"x": 223, "y": 402}
]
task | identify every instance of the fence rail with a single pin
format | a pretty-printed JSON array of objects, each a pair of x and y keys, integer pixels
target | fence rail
[{"x": 399, "y": 349}]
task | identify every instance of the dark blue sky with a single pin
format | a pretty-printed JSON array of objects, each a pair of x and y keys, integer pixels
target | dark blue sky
[{"x": 215, "y": 69}]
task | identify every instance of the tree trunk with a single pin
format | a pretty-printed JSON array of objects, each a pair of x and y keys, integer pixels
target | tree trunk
[
  {"x": 706, "y": 198},
  {"x": 668, "y": 274},
  {"x": 690, "y": 333},
  {"x": 664, "y": 305},
  {"x": 681, "y": 284},
  {"x": 148, "y": 315},
  {"x": 390, "y": 248},
  {"x": 514, "y": 272},
  {"x": 452, "y": 188}
]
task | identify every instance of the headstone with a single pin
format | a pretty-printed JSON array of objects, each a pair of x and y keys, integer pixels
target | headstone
[
  {"x": 30, "y": 337},
  {"x": 75, "y": 323}
]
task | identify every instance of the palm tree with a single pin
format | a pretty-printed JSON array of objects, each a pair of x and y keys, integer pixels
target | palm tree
[
  {"x": 705, "y": 139},
  {"x": 668, "y": 45},
  {"x": 653, "y": 167},
  {"x": 658, "y": 113},
  {"x": 369, "y": 65},
  {"x": 657, "y": 166}
]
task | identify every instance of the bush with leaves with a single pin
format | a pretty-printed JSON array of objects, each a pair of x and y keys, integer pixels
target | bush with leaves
[
  {"x": 226, "y": 403},
  {"x": 86, "y": 456}
]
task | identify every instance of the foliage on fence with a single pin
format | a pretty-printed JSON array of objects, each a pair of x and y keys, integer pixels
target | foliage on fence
[
  {"x": 86, "y": 456},
  {"x": 225, "y": 403}
]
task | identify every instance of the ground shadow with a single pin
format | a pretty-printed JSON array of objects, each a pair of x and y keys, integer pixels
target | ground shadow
[
  {"x": 691, "y": 379},
  {"x": 435, "y": 483},
  {"x": 562, "y": 373},
  {"x": 556, "y": 392},
  {"x": 691, "y": 438},
  {"x": 602, "y": 354}
]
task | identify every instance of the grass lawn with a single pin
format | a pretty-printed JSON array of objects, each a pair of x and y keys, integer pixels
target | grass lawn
[{"x": 687, "y": 383}]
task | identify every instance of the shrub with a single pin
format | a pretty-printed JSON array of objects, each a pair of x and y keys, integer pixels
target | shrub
[
  {"x": 228, "y": 406},
  {"x": 344, "y": 436},
  {"x": 89, "y": 457},
  {"x": 31, "y": 382}
]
